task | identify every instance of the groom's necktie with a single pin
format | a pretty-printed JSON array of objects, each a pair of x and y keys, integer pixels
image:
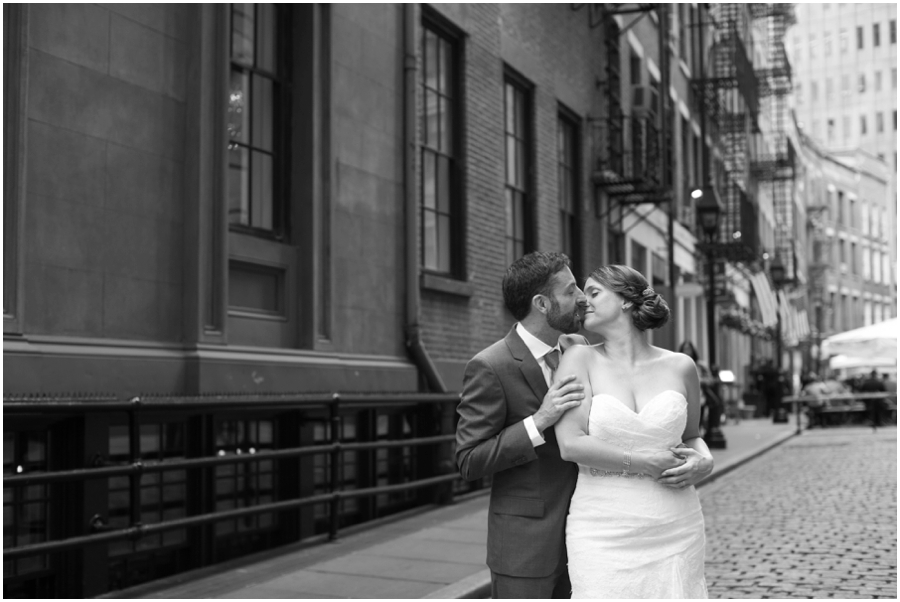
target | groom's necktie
[{"x": 552, "y": 359}]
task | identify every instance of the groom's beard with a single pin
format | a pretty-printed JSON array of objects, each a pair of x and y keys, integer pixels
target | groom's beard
[{"x": 566, "y": 323}]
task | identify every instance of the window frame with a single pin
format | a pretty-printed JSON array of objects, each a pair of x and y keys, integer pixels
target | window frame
[
  {"x": 524, "y": 138},
  {"x": 455, "y": 213},
  {"x": 281, "y": 120},
  {"x": 570, "y": 217}
]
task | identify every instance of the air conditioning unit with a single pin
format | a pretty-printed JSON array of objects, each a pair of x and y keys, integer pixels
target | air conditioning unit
[{"x": 644, "y": 101}]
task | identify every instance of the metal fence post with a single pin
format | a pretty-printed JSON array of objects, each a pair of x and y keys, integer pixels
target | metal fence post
[
  {"x": 134, "y": 452},
  {"x": 335, "y": 472}
]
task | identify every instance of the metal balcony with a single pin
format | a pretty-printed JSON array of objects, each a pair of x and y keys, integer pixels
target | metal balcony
[
  {"x": 730, "y": 69},
  {"x": 627, "y": 159},
  {"x": 738, "y": 226}
]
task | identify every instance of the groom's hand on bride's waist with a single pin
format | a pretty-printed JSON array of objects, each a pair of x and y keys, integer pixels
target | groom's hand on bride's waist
[
  {"x": 694, "y": 469},
  {"x": 563, "y": 395}
]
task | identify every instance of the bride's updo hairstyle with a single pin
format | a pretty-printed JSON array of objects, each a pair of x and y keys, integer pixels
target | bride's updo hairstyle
[{"x": 649, "y": 309}]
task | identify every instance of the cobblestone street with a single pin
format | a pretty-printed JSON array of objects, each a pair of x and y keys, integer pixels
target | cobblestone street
[{"x": 814, "y": 518}]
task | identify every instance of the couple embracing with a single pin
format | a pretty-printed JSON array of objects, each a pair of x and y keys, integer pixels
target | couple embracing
[{"x": 593, "y": 449}]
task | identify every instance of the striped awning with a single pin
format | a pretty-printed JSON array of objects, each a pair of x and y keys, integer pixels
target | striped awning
[{"x": 768, "y": 306}]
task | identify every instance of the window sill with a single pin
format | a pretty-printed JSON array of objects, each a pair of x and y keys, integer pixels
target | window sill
[{"x": 447, "y": 285}]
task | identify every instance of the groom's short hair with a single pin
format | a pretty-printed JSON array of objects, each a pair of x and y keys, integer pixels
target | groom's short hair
[{"x": 529, "y": 276}]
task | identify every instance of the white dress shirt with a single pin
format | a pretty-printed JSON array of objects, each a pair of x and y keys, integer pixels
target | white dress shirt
[{"x": 539, "y": 349}]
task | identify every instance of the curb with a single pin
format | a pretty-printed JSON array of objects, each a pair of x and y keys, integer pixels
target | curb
[
  {"x": 472, "y": 587},
  {"x": 743, "y": 459},
  {"x": 479, "y": 584}
]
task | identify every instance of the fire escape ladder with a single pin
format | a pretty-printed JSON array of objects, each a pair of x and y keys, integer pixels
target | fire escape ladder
[
  {"x": 626, "y": 147},
  {"x": 730, "y": 91},
  {"x": 777, "y": 169}
]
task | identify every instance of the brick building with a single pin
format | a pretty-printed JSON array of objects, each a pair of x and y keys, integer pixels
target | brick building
[{"x": 269, "y": 199}]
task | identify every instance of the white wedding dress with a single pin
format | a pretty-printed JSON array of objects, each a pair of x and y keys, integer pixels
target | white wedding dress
[{"x": 630, "y": 537}]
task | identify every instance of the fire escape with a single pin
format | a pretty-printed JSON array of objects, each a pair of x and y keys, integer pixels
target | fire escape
[
  {"x": 776, "y": 168},
  {"x": 729, "y": 94},
  {"x": 628, "y": 148}
]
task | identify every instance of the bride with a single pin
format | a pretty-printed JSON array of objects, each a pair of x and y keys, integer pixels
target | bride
[{"x": 635, "y": 528}]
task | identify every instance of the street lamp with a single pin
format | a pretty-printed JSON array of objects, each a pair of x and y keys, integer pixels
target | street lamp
[
  {"x": 709, "y": 210},
  {"x": 776, "y": 270}
]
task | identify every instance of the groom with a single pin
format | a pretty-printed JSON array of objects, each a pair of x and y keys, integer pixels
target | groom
[{"x": 506, "y": 415}]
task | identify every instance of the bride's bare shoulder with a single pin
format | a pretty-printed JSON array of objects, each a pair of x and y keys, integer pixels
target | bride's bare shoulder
[{"x": 675, "y": 360}]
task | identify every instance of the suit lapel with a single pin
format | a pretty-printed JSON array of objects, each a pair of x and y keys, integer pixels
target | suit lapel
[{"x": 529, "y": 367}]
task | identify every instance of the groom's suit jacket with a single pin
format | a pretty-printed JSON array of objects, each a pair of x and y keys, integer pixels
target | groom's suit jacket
[{"x": 531, "y": 485}]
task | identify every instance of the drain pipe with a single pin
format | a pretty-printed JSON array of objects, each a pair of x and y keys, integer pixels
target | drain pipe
[{"x": 413, "y": 328}]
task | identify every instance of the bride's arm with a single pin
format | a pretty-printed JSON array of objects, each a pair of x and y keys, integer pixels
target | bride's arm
[
  {"x": 698, "y": 460},
  {"x": 572, "y": 429}
]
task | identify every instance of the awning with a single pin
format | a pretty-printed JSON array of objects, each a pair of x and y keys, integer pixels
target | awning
[
  {"x": 765, "y": 296},
  {"x": 794, "y": 322}
]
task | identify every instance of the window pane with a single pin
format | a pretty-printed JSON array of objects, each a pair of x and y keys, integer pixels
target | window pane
[
  {"x": 511, "y": 160},
  {"x": 261, "y": 206},
  {"x": 431, "y": 119},
  {"x": 447, "y": 67},
  {"x": 263, "y": 108},
  {"x": 443, "y": 243},
  {"x": 520, "y": 217},
  {"x": 429, "y": 240},
  {"x": 238, "y": 185},
  {"x": 510, "y": 108},
  {"x": 238, "y": 102},
  {"x": 431, "y": 60},
  {"x": 267, "y": 57},
  {"x": 242, "y": 33},
  {"x": 510, "y": 213},
  {"x": 429, "y": 184},
  {"x": 520, "y": 164},
  {"x": 520, "y": 114},
  {"x": 446, "y": 127},
  {"x": 443, "y": 185}
]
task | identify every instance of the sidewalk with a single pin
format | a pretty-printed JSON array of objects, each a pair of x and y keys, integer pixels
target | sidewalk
[{"x": 439, "y": 553}]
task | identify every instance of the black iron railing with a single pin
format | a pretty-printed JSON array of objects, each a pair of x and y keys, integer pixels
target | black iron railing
[{"x": 425, "y": 439}]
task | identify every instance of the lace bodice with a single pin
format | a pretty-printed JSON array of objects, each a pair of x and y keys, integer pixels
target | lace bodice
[{"x": 635, "y": 538}]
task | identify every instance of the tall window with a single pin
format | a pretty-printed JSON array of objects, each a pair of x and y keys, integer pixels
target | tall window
[
  {"x": 879, "y": 122},
  {"x": 843, "y": 41},
  {"x": 567, "y": 168},
  {"x": 862, "y": 82},
  {"x": 876, "y": 35},
  {"x": 862, "y": 125},
  {"x": 257, "y": 123},
  {"x": 878, "y": 81},
  {"x": 638, "y": 256},
  {"x": 859, "y": 38},
  {"x": 518, "y": 205},
  {"x": 893, "y": 31},
  {"x": 440, "y": 203}
]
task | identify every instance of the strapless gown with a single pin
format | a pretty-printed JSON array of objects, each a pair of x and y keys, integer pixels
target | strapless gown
[{"x": 634, "y": 538}]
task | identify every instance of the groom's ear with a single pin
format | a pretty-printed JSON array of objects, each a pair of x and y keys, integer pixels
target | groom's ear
[{"x": 541, "y": 303}]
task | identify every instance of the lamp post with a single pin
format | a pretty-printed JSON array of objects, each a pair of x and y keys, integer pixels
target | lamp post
[
  {"x": 709, "y": 209},
  {"x": 776, "y": 270}
]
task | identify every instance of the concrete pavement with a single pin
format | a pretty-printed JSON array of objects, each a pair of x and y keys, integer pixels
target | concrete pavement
[{"x": 435, "y": 554}]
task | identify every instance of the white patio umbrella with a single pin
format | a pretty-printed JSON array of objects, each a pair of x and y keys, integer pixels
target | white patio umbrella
[{"x": 869, "y": 342}]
